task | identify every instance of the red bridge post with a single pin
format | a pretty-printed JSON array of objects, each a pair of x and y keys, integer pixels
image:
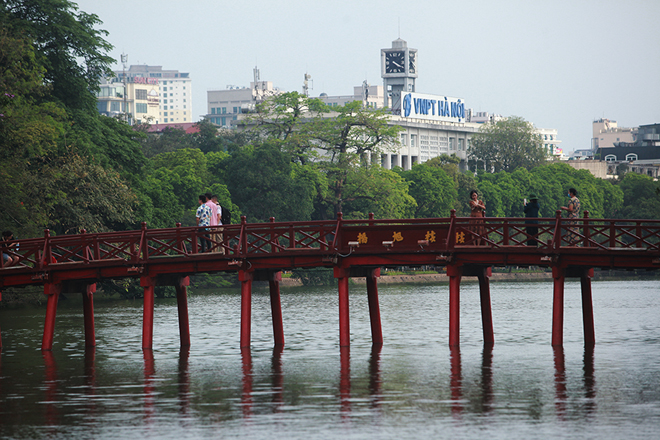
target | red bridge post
[
  {"x": 53, "y": 292},
  {"x": 558, "y": 275},
  {"x": 88, "y": 314},
  {"x": 454, "y": 272},
  {"x": 245, "y": 278},
  {"x": 587, "y": 307},
  {"x": 374, "y": 309},
  {"x": 342, "y": 276},
  {"x": 182, "y": 307},
  {"x": 486, "y": 311},
  {"x": 276, "y": 307},
  {"x": 148, "y": 312}
]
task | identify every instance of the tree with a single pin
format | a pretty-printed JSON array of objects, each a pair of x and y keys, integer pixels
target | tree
[
  {"x": 287, "y": 120},
  {"x": 74, "y": 52},
  {"x": 349, "y": 139},
  {"x": 374, "y": 189},
  {"x": 506, "y": 145},
  {"x": 265, "y": 183},
  {"x": 433, "y": 190},
  {"x": 641, "y": 197}
]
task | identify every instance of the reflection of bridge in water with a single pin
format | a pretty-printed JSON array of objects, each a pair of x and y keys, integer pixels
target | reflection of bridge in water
[
  {"x": 477, "y": 395},
  {"x": 352, "y": 248}
]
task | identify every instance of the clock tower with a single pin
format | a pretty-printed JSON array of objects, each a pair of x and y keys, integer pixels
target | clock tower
[{"x": 398, "y": 70}]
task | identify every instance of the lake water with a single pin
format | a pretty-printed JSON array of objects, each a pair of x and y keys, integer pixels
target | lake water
[{"x": 413, "y": 387}]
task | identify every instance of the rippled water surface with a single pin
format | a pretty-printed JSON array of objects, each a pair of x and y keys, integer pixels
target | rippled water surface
[{"x": 413, "y": 387}]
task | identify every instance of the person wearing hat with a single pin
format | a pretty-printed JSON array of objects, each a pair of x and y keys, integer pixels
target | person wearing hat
[{"x": 531, "y": 210}]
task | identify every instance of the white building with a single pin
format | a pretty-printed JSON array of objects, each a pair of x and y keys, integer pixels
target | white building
[
  {"x": 224, "y": 106},
  {"x": 139, "y": 104},
  {"x": 174, "y": 88}
]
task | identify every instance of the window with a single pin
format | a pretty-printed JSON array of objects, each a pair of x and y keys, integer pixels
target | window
[
  {"x": 166, "y": 120},
  {"x": 141, "y": 94},
  {"x": 403, "y": 139},
  {"x": 224, "y": 121},
  {"x": 235, "y": 109},
  {"x": 460, "y": 144},
  {"x": 165, "y": 114},
  {"x": 224, "y": 111},
  {"x": 610, "y": 158},
  {"x": 452, "y": 144},
  {"x": 114, "y": 106},
  {"x": 164, "y": 89},
  {"x": 413, "y": 139},
  {"x": 213, "y": 111},
  {"x": 140, "y": 107},
  {"x": 164, "y": 101},
  {"x": 631, "y": 156}
]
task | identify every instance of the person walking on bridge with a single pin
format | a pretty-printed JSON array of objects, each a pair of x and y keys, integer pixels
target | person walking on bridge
[
  {"x": 203, "y": 216},
  {"x": 573, "y": 210},
  {"x": 531, "y": 210},
  {"x": 478, "y": 211}
]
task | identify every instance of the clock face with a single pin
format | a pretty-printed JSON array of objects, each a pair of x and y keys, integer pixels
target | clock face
[
  {"x": 395, "y": 62},
  {"x": 412, "y": 62}
]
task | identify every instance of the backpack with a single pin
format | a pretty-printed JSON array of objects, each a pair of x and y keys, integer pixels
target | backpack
[{"x": 225, "y": 216}]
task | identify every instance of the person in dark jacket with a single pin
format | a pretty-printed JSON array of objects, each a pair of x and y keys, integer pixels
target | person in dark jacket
[{"x": 531, "y": 210}]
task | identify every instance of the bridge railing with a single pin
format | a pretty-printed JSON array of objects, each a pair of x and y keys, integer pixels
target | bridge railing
[{"x": 333, "y": 236}]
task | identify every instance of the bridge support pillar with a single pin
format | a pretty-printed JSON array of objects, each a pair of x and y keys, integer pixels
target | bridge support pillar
[
  {"x": 182, "y": 306},
  {"x": 149, "y": 283},
  {"x": 587, "y": 307},
  {"x": 88, "y": 314},
  {"x": 374, "y": 309},
  {"x": 342, "y": 276},
  {"x": 276, "y": 307},
  {"x": 52, "y": 291},
  {"x": 454, "y": 272},
  {"x": 558, "y": 275},
  {"x": 486, "y": 312},
  {"x": 245, "y": 278}
]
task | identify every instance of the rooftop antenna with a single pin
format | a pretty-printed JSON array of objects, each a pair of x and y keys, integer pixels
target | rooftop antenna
[
  {"x": 399, "y": 25},
  {"x": 256, "y": 83},
  {"x": 308, "y": 77}
]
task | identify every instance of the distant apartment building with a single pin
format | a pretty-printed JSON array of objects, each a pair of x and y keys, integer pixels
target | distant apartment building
[
  {"x": 370, "y": 96},
  {"x": 606, "y": 133},
  {"x": 551, "y": 144},
  {"x": 136, "y": 102},
  {"x": 224, "y": 106},
  {"x": 174, "y": 91}
]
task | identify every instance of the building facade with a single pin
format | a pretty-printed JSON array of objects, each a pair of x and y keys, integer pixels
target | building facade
[
  {"x": 174, "y": 89},
  {"x": 606, "y": 133},
  {"x": 137, "y": 101}
]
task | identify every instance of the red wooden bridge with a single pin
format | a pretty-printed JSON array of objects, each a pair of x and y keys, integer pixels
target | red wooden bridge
[{"x": 353, "y": 248}]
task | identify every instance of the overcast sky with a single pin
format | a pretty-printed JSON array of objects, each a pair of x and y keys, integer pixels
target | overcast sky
[{"x": 558, "y": 64}]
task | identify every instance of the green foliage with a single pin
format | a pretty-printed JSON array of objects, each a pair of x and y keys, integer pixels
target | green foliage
[
  {"x": 84, "y": 195},
  {"x": 434, "y": 191},
  {"x": 73, "y": 51},
  {"x": 320, "y": 276},
  {"x": 264, "y": 183},
  {"x": 642, "y": 197},
  {"x": 507, "y": 145},
  {"x": 373, "y": 189}
]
